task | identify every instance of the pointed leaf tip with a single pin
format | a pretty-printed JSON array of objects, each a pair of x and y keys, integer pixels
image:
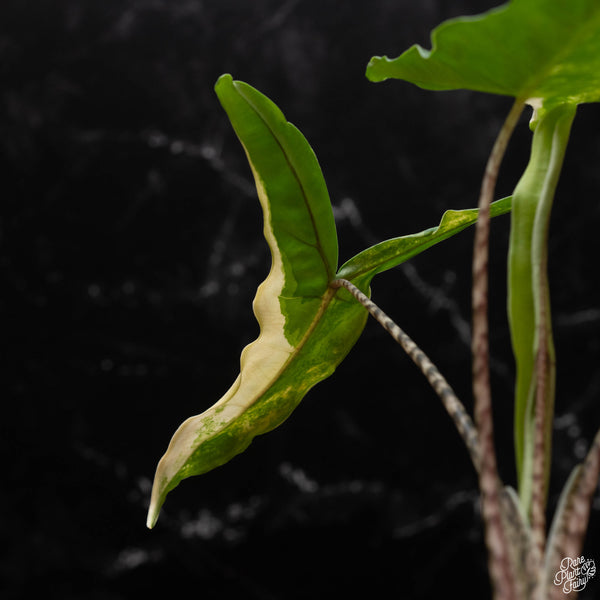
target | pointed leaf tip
[{"x": 152, "y": 518}]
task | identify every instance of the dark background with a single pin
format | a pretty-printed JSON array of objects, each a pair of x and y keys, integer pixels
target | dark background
[{"x": 131, "y": 249}]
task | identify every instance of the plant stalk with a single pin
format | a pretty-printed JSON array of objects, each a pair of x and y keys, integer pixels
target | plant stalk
[
  {"x": 438, "y": 382},
  {"x": 529, "y": 312},
  {"x": 499, "y": 562},
  {"x": 571, "y": 519}
]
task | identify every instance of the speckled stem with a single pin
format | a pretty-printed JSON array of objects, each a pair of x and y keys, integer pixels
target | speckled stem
[
  {"x": 499, "y": 564},
  {"x": 451, "y": 403}
]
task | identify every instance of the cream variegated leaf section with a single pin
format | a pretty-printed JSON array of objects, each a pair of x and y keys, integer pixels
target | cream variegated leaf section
[{"x": 261, "y": 362}]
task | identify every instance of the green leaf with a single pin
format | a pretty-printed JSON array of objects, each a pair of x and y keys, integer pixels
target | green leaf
[
  {"x": 390, "y": 253},
  {"x": 305, "y": 330},
  {"x": 306, "y": 326},
  {"x": 539, "y": 51}
]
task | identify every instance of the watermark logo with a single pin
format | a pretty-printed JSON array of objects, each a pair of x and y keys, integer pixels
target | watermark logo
[{"x": 574, "y": 573}]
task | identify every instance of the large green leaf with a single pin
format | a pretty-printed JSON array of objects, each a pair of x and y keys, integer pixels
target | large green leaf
[
  {"x": 535, "y": 50},
  {"x": 306, "y": 326},
  {"x": 305, "y": 330}
]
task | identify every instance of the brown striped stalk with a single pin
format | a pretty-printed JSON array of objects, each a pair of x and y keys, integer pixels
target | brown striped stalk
[
  {"x": 452, "y": 404},
  {"x": 499, "y": 563}
]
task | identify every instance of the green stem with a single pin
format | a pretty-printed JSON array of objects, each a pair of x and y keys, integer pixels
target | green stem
[{"x": 529, "y": 311}]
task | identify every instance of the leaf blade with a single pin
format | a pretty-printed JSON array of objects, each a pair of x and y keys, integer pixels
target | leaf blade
[
  {"x": 528, "y": 49},
  {"x": 390, "y": 253},
  {"x": 294, "y": 306}
]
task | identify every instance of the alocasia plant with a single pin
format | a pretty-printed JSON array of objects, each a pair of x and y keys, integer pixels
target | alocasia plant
[{"x": 545, "y": 53}]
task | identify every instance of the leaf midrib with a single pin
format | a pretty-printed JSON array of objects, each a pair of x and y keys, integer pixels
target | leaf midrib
[{"x": 330, "y": 274}]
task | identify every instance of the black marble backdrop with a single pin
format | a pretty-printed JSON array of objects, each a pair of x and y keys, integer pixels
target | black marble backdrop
[{"x": 131, "y": 248}]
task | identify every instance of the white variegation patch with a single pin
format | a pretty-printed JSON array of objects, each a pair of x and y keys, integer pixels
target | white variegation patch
[{"x": 261, "y": 363}]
